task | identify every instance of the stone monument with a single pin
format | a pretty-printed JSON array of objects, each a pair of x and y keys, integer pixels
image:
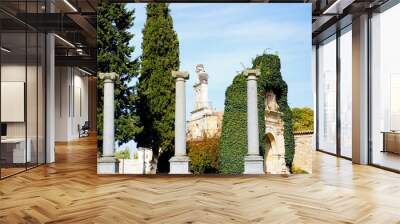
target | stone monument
[{"x": 204, "y": 120}]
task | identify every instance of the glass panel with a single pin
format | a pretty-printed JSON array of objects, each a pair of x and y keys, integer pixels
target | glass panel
[
  {"x": 41, "y": 98},
  {"x": 327, "y": 95},
  {"x": 346, "y": 92},
  {"x": 31, "y": 99},
  {"x": 23, "y": 86},
  {"x": 385, "y": 84},
  {"x": 13, "y": 91},
  {"x": 32, "y": 87}
]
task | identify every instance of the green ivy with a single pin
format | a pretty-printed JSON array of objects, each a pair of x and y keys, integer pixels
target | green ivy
[{"x": 233, "y": 146}]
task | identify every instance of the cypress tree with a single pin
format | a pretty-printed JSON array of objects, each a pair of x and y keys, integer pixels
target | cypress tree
[
  {"x": 114, "y": 55},
  {"x": 156, "y": 86}
]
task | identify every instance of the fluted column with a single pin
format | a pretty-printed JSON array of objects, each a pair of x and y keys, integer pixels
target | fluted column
[
  {"x": 179, "y": 163},
  {"x": 107, "y": 164},
  {"x": 254, "y": 163}
]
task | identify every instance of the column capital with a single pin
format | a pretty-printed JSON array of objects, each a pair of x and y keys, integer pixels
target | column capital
[
  {"x": 108, "y": 76},
  {"x": 252, "y": 73},
  {"x": 178, "y": 74}
]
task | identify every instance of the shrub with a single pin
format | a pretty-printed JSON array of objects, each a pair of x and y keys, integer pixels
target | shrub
[
  {"x": 298, "y": 170},
  {"x": 204, "y": 155}
]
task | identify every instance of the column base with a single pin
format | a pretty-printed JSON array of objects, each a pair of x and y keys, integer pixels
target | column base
[
  {"x": 179, "y": 165},
  {"x": 107, "y": 165},
  {"x": 253, "y": 164}
]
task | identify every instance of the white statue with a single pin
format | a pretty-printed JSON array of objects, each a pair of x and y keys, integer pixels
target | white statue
[
  {"x": 270, "y": 102},
  {"x": 200, "y": 68}
]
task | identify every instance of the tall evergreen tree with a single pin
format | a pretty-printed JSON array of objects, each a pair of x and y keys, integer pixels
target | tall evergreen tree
[
  {"x": 156, "y": 86},
  {"x": 114, "y": 55}
]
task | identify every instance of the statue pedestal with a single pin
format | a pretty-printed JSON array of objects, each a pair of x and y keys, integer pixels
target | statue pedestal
[
  {"x": 107, "y": 165},
  {"x": 179, "y": 165},
  {"x": 253, "y": 164}
]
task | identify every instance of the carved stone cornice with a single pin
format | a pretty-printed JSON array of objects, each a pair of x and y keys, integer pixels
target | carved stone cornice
[
  {"x": 108, "y": 76},
  {"x": 180, "y": 75}
]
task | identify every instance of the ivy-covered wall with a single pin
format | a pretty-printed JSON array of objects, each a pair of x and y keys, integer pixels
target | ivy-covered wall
[
  {"x": 271, "y": 79},
  {"x": 233, "y": 146}
]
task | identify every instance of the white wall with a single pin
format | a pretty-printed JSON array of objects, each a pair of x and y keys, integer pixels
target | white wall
[
  {"x": 12, "y": 73},
  {"x": 33, "y": 126},
  {"x": 71, "y": 102}
]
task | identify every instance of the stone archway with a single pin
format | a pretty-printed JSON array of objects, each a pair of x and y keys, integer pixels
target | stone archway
[
  {"x": 270, "y": 143},
  {"x": 272, "y": 161},
  {"x": 270, "y": 146},
  {"x": 274, "y": 155},
  {"x": 274, "y": 140}
]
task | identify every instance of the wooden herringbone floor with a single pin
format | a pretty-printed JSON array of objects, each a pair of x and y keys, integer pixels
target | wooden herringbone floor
[{"x": 69, "y": 191}]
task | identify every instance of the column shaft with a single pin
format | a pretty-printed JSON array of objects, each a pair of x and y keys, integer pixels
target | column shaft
[
  {"x": 252, "y": 116},
  {"x": 180, "y": 118},
  {"x": 360, "y": 89},
  {"x": 50, "y": 98},
  {"x": 108, "y": 119}
]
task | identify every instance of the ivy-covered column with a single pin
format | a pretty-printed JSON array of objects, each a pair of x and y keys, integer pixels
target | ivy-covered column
[
  {"x": 108, "y": 164},
  {"x": 253, "y": 162},
  {"x": 179, "y": 163}
]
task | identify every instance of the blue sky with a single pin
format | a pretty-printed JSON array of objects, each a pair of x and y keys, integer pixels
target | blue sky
[{"x": 224, "y": 37}]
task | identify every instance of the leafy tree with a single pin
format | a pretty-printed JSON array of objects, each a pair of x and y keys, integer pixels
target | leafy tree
[
  {"x": 123, "y": 154},
  {"x": 303, "y": 119},
  {"x": 233, "y": 146},
  {"x": 113, "y": 55},
  {"x": 156, "y": 87}
]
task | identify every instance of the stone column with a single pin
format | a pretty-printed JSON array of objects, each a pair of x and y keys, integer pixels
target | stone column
[
  {"x": 108, "y": 164},
  {"x": 253, "y": 162},
  {"x": 179, "y": 163},
  {"x": 49, "y": 65},
  {"x": 50, "y": 98},
  {"x": 360, "y": 89}
]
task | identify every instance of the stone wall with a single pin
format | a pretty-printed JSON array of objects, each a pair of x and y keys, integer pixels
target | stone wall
[{"x": 303, "y": 151}]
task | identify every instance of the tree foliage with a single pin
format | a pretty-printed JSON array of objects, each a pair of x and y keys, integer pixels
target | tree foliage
[
  {"x": 204, "y": 155},
  {"x": 114, "y": 55},
  {"x": 156, "y": 87},
  {"x": 233, "y": 146},
  {"x": 123, "y": 154},
  {"x": 303, "y": 119}
]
